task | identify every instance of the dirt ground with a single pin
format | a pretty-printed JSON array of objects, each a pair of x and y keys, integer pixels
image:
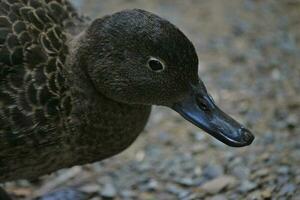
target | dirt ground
[{"x": 249, "y": 54}]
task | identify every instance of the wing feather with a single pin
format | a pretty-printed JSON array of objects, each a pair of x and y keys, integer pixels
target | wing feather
[{"x": 33, "y": 90}]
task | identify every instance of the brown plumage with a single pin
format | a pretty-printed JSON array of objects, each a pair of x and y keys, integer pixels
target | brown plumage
[
  {"x": 34, "y": 96},
  {"x": 74, "y": 92},
  {"x": 38, "y": 132}
]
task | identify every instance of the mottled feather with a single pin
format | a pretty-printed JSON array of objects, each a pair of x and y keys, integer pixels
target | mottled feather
[
  {"x": 34, "y": 96},
  {"x": 53, "y": 114}
]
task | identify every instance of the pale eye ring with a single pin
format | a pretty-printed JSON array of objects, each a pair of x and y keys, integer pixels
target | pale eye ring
[{"x": 156, "y": 65}]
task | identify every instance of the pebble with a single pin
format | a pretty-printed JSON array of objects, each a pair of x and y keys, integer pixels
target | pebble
[
  {"x": 185, "y": 181},
  {"x": 190, "y": 197},
  {"x": 24, "y": 183},
  {"x": 266, "y": 194},
  {"x": 165, "y": 138},
  {"x": 77, "y": 3},
  {"x": 95, "y": 198},
  {"x": 283, "y": 170},
  {"x": 219, "y": 197},
  {"x": 199, "y": 136},
  {"x": 287, "y": 189},
  {"x": 152, "y": 185},
  {"x": 198, "y": 148},
  {"x": 241, "y": 172},
  {"x": 240, "y": 27},
  {"x": 297, "y": 181},
  {"x": 255, "y": 195},
  {"x": 282, "y": 179},
  {"x": 262, "y": 172},
  {"x": 247, "y": 186},
  {"x": 212, "y": 170},
  {"x": 108, "y": 191},
  {"x": 179, "y": 192},
  {"x": 216, "y": 185},
  {"x": 65, "y": 194},
  {"x": 126, "y": 194},
  {"x": 90, "y": 188}
]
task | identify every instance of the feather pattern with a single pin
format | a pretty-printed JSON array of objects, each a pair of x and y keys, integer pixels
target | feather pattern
[
  {"x": 34, "y": 96},
  {"x": 52, "y": 115}
]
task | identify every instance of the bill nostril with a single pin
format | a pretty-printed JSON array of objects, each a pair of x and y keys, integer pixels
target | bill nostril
[
  {"x": 246, "y": 135},
  {"x": 202, "y": 104}
]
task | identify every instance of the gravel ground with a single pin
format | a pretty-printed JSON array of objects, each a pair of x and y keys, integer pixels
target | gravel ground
[{"x": 250, "y": 62}]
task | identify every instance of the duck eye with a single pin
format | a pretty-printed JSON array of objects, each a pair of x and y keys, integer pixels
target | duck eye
[{"x": 156, "y": 65}]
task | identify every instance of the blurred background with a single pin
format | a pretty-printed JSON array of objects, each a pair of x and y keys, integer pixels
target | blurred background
[{"x": 250, "y": 62}]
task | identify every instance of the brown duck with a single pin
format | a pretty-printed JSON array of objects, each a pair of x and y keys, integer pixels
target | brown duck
[{"x": 75, "y": 92}]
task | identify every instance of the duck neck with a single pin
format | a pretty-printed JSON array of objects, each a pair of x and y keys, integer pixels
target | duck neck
[{"x": 102, "y": 127}]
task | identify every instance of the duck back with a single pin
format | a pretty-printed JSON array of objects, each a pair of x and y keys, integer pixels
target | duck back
[
  {"x": 51, "y": 116},
  {"x": 34, "y": 96}
]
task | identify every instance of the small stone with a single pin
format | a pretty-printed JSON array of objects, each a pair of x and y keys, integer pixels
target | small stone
[
  {"x": 181, "y": 193},
  {"x": 292, "y": 121},
  {"x": 283, "y": 170},
  {"x": 298, "y": 179},
  {"x": 247, "y": 186},
  {"x": 77, "y": 3},
  {"x": 265, "y": 156},
  {"x": 262, "y": 172},
  {"x": 97, "y": 167},
  {"x": 190, "y": 197},
  {"x": 283, "y": 179},
  {"x": 108, "y": 191},
  {"x": 218, "y": 197},
  {"x": 287, "y": 43},
  {"x": 152, "y": 185},
  {"x": 231, "y": 195},
  {"x": 91, "y": 188},
  {"x": 197, "y": 171},
  {"x": 173, "y": 189},
  {"x": 144, "y": 195},
  {"x": 216, "y": 185},
  {"x": 240, "y": 27},
  {"x": 140, "y": 156},
  {"x": 236, "y": 161},
  {"x": 241, "y": 172},
  {"x": 266, "y": 194},
  {"x": 142, "y": 167},
  {"x": 95, "y": 198},
  {"x": 165, "y": 137},
  {"x": 66, "y": 194},
  {"x": 24, "y": 183},
  {"x": 297, "y": 196},
  {"x": 128, "y": 194},
  {"x": 185, "y": 181},
  {"x": 287, "y": 189},
  {"x": 22, "y": 192},
  {"x": 211, "y": 171},
  {"x": 255, "y": 195},
  {"x": 199, "y": 136},
  {"x": 198, "y": 148},
  {"x": 217, "y": 144},
  {"x": 276, "y": 74}
]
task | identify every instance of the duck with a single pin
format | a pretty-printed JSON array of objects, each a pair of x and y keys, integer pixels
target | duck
[{"x": 75, "y": 91}]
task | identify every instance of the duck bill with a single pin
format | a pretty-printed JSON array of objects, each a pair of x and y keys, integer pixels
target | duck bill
[{"x": 200, "y": 109}]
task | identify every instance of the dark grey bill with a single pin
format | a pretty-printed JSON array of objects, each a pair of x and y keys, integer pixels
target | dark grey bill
[{"x": 200, "y": 109}]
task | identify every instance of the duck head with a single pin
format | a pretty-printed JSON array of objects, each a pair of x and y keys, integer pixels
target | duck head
[{"x": 138, "y": 58}]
